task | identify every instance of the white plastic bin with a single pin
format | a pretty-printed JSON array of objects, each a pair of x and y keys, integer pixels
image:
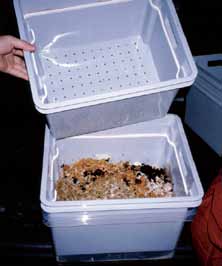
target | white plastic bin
[
  {"x": 101, "y": 64},
  {"x": 204, "y": 102},
  {"x": 89, "y": 230}
]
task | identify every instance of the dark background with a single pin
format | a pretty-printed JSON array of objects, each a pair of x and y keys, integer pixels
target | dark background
[{"x": 23, "y": 238}]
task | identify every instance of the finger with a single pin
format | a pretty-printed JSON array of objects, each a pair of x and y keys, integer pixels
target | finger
[
  {"x": 18, "y": 60},
  {"x": 18, "y": 52},
  {"x": 20, "y": 44},
  {"x": 17, "y": 73},
  {"x": 20, "y": 68}
]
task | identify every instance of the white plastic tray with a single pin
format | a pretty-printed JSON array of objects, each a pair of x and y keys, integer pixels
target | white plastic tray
[{"x": 124, "y": 49}]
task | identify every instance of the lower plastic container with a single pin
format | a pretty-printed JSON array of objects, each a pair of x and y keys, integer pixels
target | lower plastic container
[{"x": 127, "y": 228}]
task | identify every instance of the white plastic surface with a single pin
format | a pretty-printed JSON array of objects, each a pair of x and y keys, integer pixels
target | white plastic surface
[
  {"x": 122, "y": 50},
  {"x": 89, "y": 228},
  {"x": 204, "y": 102}
]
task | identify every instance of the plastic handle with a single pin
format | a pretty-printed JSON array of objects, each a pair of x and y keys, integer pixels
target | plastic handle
[
  {"x": 215, "y": 63},
  {"x": 169, "y": 35}
]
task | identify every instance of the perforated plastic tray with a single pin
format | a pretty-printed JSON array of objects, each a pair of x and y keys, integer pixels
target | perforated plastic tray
[{"x": 95, "y": 52}]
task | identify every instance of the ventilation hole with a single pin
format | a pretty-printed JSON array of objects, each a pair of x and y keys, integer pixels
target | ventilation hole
[
  {"x": 61, "y": 80},
  {"x": 131, "y": 60},
  {"x": 109, "y": 48},
  {"x": 74, "y": 94},
  {"x": 108, "y": 79},
  {"x": 96, "y": 66},
  {"x": 130, "y": 84},
  {"x": 63, "y": 89},
  {"x": 76, "y": 61},
  {"x": 142, "y": 65},
  {"x": 104, "y": 64},
  {"x": 90, "y": 83},
  {"x": 83, "y": 93},
  {"x": 127, "y": 76},
  {"x": 138, "y": 82},
  {"x": 121, "y": 85},
  {"x": 120, "y": 53},
  {"x": 83, "y": 52},
  {"x": 85, "y": 60},
  {"x": 53, "y": 90},
  {"x": 70, "y": 78},
  {"x": 82, "y": 84},
  {"x": 118, "y": 46},
  {"x": 103, "y": 56},
  {"x": 94, "y": 57},
  {"x": 135, "y": 43},
  {"x": 100, "y": 81},
  {"x": 89, "y": 75},
  {"x": 56, "y": 99},
  {"x": 114, "y": 62},
  {"x": 107, "y": 71},
  {"x": 52, "y": 82},
  {"x": 97, "y": 73},
  {"x": 118, "y": 78},
  {"x": 93, "y": 91},
  {"x": 64, "y": 97},
  {"x": 144, "y": 73},
  {"x": 50, "y": 75},
  {"x": 74, "y": 54},
  {"x": 69, "y": 70},
  {"x": 80, "y": 77},
  {"x": 112, "y": 55},
  {"x": 147, "y": 81},
  {"x": 135, "y": 74},
  {"x": 87, "y": 67},
  {"x": 111, "y": 88},
  {"x": 129, "y": 52},
  {"x": 73, "y": 86},
  {"x": 140, "y": 57},
  {"x": 65, "y": 55},
  {"x": 137, "y": 50},
  {"x": 59, "y": 73}
]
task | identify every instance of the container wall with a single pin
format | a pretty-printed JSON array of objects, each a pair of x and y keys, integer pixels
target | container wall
[
  {"x": 159, "y": 232},
  {"x": 85, "y": 25},
  {"x": 110, "y": 115},
  {"x": 204, "y": 116},
  {"x": 160, "y": 32}
]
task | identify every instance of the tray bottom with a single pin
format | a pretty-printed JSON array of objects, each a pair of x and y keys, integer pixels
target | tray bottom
[{"x": 78, "y": 72}]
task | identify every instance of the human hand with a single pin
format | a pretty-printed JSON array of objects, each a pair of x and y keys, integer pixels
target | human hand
[{"x": 11, "y": 56}]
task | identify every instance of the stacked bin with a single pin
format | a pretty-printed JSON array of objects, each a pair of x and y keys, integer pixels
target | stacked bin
[
  {"x": 204, "y": 101},
  {"x": 107, "y": 67}
]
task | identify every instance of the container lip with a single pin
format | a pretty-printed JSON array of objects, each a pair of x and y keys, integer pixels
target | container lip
[
  {"x": 158, "y": 87},
  {"x": 129, "y": 207}
]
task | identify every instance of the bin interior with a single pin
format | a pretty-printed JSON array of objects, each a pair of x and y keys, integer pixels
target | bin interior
[
  {"x": 91, "y": 48},
  {"x": 161, "y": 147}
]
